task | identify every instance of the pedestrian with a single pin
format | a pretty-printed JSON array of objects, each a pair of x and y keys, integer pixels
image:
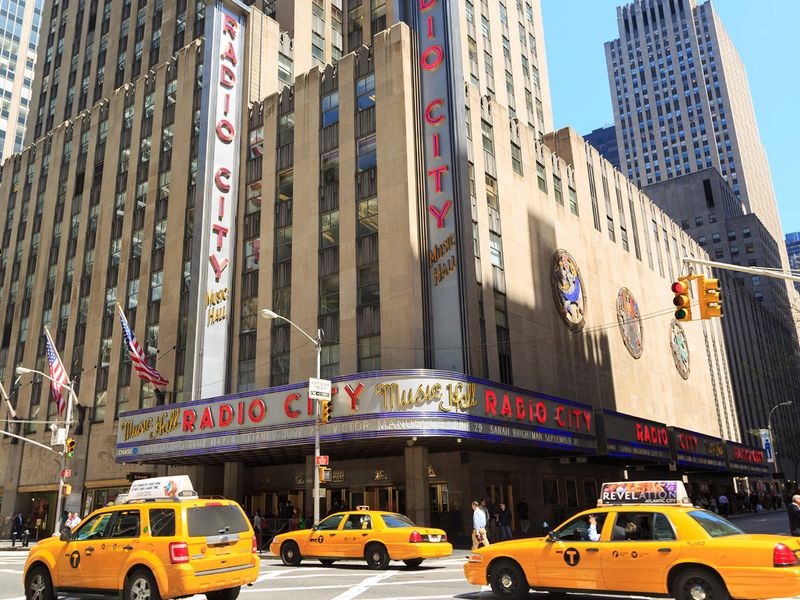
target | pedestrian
[
  {"x": 479, "y": 537},
  {"x": 724, "y": 505},
  {"x": 523, "y": 514},
  {"x": 794, "y": 515},
  {"x": 258, "y": 526},
  {"x": 504, "y": 519},
  {"x": 16, "y": 529}
]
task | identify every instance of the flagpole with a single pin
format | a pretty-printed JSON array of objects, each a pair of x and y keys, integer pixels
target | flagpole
[
  {"x": 11, "y": 410},
  {"x": 68, "y": 424}
]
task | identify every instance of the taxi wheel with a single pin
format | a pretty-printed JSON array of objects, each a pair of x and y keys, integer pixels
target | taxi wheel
[
  {"x": 413, "y": 563},
  {"x": 226, "y": 594},
  {"x": 508, "y": 581},
  {"x": 39, "y": 586},
  {"x": 377, "y": 557},
  {"x": 290, "y": 554},
  {"x": 140, "y": 585},
  {"x": 699, "y": 584},
  {"x": 326, "y": 562}
]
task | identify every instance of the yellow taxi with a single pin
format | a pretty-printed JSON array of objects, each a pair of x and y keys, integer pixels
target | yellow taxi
[
  {"x": 163, "y": 541},
  {"x": 374, "y": 536},
  {"x": 645, "y": 538}
]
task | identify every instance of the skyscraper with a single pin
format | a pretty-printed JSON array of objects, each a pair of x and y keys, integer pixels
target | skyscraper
[
  {"x": 793, "y": 250},
  {"x": 19, "y": 35},
  {"x": 682, "y": 102}
]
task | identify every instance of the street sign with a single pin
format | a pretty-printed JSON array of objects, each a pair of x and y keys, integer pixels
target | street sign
[
  {"x": 322, "y": 461},
  {"x": 766, "y": 441},
  {"x": 66, "y": 472},
  {"x": 58, "y": 436},
  {"x": 319, "y": 389}
]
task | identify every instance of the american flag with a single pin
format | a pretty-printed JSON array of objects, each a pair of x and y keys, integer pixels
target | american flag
[
  {"x": 58, "y": 376},
  {"x": 138, "y": 358}
]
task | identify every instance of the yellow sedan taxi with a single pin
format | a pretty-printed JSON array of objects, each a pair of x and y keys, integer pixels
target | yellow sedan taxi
[
  {"x": 374, "y": 536},
  {"x": 645, "y": 538},
  {"x": 162, "y": 542}
]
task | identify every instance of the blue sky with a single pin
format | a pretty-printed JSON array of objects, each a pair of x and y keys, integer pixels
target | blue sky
[{"x": 575, "y": 31}]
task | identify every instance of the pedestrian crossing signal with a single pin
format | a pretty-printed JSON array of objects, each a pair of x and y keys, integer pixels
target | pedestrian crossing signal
[
  {"x": 324, "y": 475},
  {"x": 682, "y": 301}
]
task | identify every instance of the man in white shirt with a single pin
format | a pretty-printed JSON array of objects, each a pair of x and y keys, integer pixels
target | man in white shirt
[
  {"x": 594, "y": 536},
  {"x": 478, "y": 527}
]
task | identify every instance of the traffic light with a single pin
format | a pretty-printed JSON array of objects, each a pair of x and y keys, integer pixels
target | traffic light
[
  {"x": 710, "y": 297},
  {"x": 69, "y": 447},
  {"x": 682, "y": 301},
  {"x": 324, "y": 474},
  {"x": 326, "y": 407},
  {"x": 67, "y": 489}
]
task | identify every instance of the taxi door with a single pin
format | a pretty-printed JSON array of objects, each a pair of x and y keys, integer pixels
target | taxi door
[
  {"x": 77, "y": 563},
  {"x": 356, "y": 532},
  {"x": 642, "y": 549},
  {"x": 122, "y": 540},
  {"x": 324, "y": 538},
  {"x": 572, "y": 560}
]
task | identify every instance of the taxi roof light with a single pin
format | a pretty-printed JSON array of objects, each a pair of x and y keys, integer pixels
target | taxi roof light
[
  {"x": 783, "y": 556},
  {"x": 362, "y": 507}
]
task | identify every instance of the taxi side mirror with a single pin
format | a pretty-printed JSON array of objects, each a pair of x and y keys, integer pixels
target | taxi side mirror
[
  {"x": 66, "y": 534},
  {"x": 314, "y": 527},
  {"x": 551, "y": 536}
]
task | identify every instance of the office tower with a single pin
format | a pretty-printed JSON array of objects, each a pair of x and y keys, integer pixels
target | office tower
[
  {"x": 20, "y": 21},
  {"x": 682, "y": 102},
  {"x": 605, "y": 140},
  {"x": 793, "y": 250}
]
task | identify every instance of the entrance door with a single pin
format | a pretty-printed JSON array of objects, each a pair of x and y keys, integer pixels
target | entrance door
[
  {"x": 495, "y": 494},
  {"x": 387, "y": 498}
]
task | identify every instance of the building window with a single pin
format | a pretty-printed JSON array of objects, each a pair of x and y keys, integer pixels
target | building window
[
  {"x": 712, "y": 218},
  {"x": 516, "y": 158},
  {"x": 734, "y": 249},
  {"x": 330, "y": 109},
  {"x": 715, "y": 238},
  {"x": 369, "y": 353},
  {"x": 367, "y": 217},
  {"x": 684, "y": 223},
  {"x": 366, "y": 149},
  {"x": 758, "y": 295},
  {"x": 557, "y": 189},
  {"x": 329, "y": 229},
  {"x": 702, "y": 241},
  {"x": 329, "y": 294},
  {"x": 749, "y": 248},
  {"x": 541, "y": 176},
  {"x": 698, "y": 221},
  {"x": 365, "y": 92},
  {"x": 746, "y": 232},
  {"x": 329, "y": 163},
  {"x": 756, "y": 280},
  {"x": 496, "y": 249},
  {"x": 549, "y": 491},
  {"x": 368, "y": 285},
  {"x": 573, "y": 200}
]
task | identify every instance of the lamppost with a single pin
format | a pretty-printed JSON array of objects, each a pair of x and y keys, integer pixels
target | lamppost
[
  {"x": 68, "y": 424},
  {"x": 317, "y": 341},
  {"x": 771, "y": 436}
]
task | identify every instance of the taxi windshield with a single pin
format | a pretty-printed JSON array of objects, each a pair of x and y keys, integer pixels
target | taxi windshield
[
  {"x": 714, "y": 525},
  {"x": 395, "y": 520}
]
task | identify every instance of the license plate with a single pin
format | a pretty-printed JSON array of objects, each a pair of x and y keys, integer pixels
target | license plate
[
  {"x": 221, "y": 551},
  {"x": 433, "y": 538}
]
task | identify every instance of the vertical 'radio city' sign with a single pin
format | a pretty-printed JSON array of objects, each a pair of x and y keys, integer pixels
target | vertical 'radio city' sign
[
  {"x": 435, "y": 42},
  {"x": 222, "y": 100}
]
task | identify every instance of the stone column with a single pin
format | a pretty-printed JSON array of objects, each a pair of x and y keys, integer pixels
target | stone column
[
  {"x": 418, "y": 502},
  {"x": 233, "y": 481}
]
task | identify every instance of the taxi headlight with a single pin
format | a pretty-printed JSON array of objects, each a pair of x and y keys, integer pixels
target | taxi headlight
[
  {"x": 276, "y": 539},
  {"x": 475, "y": 558}
]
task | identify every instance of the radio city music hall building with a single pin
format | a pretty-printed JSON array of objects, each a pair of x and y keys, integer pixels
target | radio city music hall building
[{"x": 494, "y": 296}]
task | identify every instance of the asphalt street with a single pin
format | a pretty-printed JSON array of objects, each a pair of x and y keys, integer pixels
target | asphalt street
[{"x": 435, "y": 579}]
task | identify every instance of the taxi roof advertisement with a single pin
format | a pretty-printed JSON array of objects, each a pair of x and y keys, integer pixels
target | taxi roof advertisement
[
  {"x": 626, "y": 435},
  {"x": 643, "y": 492},
  {"x": 367, "y": 405}
]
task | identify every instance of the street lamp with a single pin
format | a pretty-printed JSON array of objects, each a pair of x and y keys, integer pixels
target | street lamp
[
  {"x": 317, "y": 341},
  {"x": 68, "y": 423},
  {"x": 772, "y": 437}
]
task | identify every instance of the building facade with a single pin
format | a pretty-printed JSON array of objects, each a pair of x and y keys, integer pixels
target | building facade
[
  {"x": 20, "y": 23},
  {"x": 420, "y": 218},
  {"x": 682, "y": 102},
  {"x": 759, "y": 328},
  {"x": 793, "y": 250}
]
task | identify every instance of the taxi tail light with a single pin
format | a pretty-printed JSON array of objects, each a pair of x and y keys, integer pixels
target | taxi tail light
[
  {"x": 178, "y": 553},
  {"x": 415, "y": 538},
  {"x": 444, "y": 537},
  {"x": 255, "y": 545},
  {"x": 782, "y": 556}
]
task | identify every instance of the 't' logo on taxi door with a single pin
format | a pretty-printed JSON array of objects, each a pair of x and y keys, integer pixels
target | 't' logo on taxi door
[{"x": 572, "y": 557}]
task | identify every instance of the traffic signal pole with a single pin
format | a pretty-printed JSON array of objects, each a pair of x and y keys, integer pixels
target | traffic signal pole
[
  {"x": 67, "y": 424},
  {"x": 688, "y": 260}
]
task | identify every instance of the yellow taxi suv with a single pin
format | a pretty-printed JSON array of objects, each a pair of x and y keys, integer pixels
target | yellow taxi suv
[
  {"x": 162, "y": 541},
  {"x": 644, "y": 538},
  {"x": 374, "y": 536}
]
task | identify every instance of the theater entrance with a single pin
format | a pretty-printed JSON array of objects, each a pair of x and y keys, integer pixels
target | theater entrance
[{"x": 388, "y": 498}]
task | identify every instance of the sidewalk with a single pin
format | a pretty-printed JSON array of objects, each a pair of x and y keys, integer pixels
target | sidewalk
[
  {"x": 754, "y": 514},
  {"x": 5, "y": 546}
]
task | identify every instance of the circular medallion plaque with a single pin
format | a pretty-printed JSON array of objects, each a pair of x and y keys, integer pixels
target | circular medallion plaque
[
  {"x": 680, "y": 348},
  {"x": 630, "y": 324},
  {"x": 568, "y": 290}
]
